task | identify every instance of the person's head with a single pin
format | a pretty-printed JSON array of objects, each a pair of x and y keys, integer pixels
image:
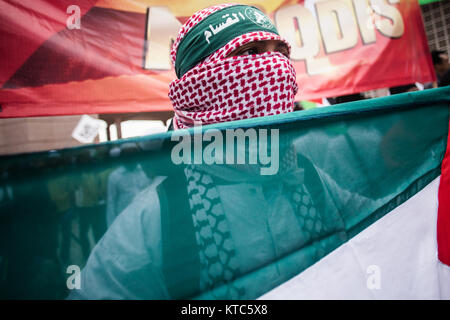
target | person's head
[
  {"x": 405, "y": 88},
  {"x": 440, "y": 62},
  {"x": 231, "y": 64}
]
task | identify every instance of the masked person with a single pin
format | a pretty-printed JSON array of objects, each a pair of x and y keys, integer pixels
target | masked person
[
  {"x": 205, "y": 231},
  {"x": 231, "y": 64}
]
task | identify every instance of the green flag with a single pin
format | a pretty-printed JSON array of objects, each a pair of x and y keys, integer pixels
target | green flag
[{"x": 333, "y": 202}]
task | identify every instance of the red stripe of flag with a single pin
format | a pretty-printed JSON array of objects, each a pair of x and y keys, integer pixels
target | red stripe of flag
[{"x": 443, "y": 221}]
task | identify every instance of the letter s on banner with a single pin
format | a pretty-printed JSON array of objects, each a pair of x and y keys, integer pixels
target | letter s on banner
[{"x": 392, "y": 26}]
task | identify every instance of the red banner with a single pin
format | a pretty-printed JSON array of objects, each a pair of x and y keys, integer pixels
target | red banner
[{"x": 86, "y": 57}]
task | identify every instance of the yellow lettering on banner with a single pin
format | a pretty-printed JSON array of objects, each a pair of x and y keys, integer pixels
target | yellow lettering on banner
[
  {"x": 306, "y": 42},
  {"x": 365, "y": 22},
  {"x": 162, "y": 30},
  {"x": 392, "y": 26},
  {"x": 337, "y": 25}
]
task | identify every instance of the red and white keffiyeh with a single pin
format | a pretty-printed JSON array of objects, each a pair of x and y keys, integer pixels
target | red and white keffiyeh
[{"x": 223, "y": 89}]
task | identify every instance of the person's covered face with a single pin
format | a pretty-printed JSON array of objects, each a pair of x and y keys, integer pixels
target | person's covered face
[
  {"x": 231, "y": 64},
  {"x": 259, "y": 47}
]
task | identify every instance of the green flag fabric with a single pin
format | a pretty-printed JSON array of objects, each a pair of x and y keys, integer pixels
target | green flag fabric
[
  {"x": 226, "y": 211},
  {"x": 422, "y": 2}
]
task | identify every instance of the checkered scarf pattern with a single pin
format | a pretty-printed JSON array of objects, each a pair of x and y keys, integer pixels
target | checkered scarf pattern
[{"x": 221, "y": 89}]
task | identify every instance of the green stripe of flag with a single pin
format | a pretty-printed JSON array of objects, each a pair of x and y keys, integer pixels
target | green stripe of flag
[{"x": 355, "y": 163}]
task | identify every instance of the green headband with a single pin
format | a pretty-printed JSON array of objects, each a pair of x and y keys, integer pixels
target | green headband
[{"x": 215, "y": 31}]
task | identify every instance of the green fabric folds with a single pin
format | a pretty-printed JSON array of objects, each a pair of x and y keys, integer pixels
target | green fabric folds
[
  {"x": 140, "y": 226},
  {"x": 217, "y": 30}
]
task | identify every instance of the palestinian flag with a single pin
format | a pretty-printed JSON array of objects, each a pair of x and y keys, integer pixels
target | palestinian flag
[{"x": 358, "y": 208}]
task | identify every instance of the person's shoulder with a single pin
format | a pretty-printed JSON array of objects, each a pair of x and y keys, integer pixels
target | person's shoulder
[
  {"x": 149, "y": 193},
  {"x": 146, "y": 202},
  {"x": 137, "y": 225}
]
